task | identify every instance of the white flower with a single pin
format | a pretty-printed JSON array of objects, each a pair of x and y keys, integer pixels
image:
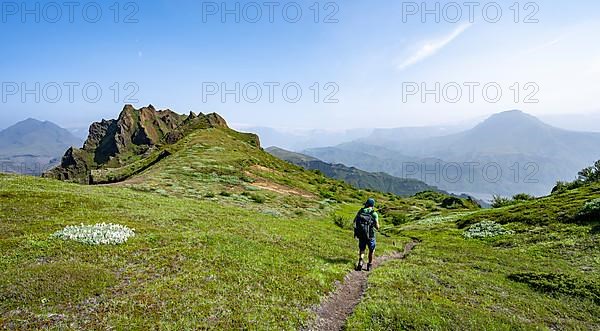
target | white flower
[
  {"x": 486, "y": 229},
  {"x": 98, "y": 234}
]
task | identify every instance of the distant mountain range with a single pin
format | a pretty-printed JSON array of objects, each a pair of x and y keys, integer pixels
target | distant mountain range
[
  {"x": 301, "y": 139},
  {"x": 509, "y": 153},
  {"x": 407, "y": 134},
  {"x": 378, "y": 181},
  {"x": 32, "y": 146},
  {"x": 298, "y": 139}
]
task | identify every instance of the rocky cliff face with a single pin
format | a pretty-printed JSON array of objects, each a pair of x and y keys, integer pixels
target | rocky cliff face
[
  {"x": 75, "y": 166},
  {"x": 132, "y": 136}
]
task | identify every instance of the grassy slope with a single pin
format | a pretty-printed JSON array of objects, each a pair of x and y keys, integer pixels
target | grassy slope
[
  {"x": 254, "y": 270},
  {"x": 193, "y": 263},
  {"x": 218, "y": 164},
  {"x": 453, "y": 283}
]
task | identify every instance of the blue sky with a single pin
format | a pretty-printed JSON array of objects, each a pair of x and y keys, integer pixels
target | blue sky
[{"x": 173, "y": 49}]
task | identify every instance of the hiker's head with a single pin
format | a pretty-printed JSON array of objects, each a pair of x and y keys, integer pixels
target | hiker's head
[{"x": 370, "y": 203}]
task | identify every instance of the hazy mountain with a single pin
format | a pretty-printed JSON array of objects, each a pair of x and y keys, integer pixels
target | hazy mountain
[
  {"x": 447, "y": 176},
  {"x": 292, "y": 157},
  {"x": 378, "y": 181},
  {"x": 510, "y": 133},
  {"x": 35, "y": 137},
  {"x": 405, "y": 134},
  {"x": 298, "y": 139},
  {"x": 32, "y": 146},
  {"x": 508, "y": 153}
]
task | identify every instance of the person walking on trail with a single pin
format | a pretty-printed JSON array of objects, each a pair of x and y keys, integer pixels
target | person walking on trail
[{"x": 365, "y": 224}]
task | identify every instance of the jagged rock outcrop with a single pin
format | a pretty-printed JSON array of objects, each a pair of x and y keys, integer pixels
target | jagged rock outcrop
[
  {"x": 215, "y": 120},
  {"x": 74, "y": 167},
  {"x": 134, "y": 135}
]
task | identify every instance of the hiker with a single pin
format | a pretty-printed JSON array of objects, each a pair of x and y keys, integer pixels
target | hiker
[{"x": 365, "y": 223}]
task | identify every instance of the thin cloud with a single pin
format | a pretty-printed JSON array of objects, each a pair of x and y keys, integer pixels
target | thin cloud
[
  {"x": 431, "y": 47},
  {"x": 544, "y": 45}
]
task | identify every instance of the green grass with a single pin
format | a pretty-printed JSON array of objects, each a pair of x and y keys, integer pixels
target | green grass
[
  {"x": 561, "y": 207},
  {"x": 205, "y": 263},
  {"x": 217, "y": 161},
  {"x": 192, "y": 264},
  {"x": 545, "y": 276},
  {"x": 113, "y": 175}
]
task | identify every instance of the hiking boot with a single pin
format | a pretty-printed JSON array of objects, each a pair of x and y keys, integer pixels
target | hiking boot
[
  {"x": 359, "y": 266},
  {"x": 369, "y": 265}
]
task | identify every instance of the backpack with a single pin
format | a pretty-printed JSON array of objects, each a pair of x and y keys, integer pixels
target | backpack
[{"x": 363, "y": 225}]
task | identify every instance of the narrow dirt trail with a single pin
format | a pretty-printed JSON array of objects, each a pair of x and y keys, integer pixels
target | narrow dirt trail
[{"x": 339, "y": 305}]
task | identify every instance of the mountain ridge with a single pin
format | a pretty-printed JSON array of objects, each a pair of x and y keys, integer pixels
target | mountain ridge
[
  {"x": 380, "y": 181},
  {"x": 136, "y": 136}
]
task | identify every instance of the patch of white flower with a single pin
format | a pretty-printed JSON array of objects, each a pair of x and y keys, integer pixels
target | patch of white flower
[
  {"x": 441, "y": 219},
  {"x": 591, "y": 207},
  {"x": 486, "y": 229},
  {"x": 98, "y": 234}
]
